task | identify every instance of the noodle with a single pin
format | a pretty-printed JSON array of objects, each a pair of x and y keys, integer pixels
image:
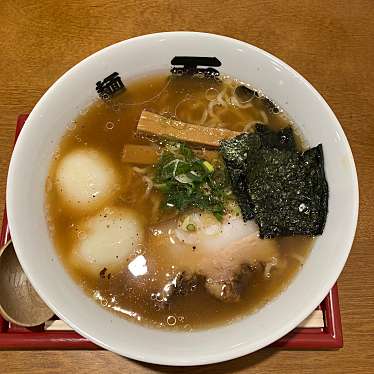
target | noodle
[
  {"x": 153, "y": 98},
  {"x": 235, "y": 102},
  {"x": 149, "y": 183},
  {"x": 249, "y": 126},
  {"x": 264, "y": 117},
  {"x": 156, "y": 202},
  {"x": 147, "y": 180},
  {"x": 204, "y": 117},
  {"x": 220, "y": 100},
  {"x": 211, "y": 113},
  {"x": 139, "y": 170},
  {"x": 269, "y": 266}
]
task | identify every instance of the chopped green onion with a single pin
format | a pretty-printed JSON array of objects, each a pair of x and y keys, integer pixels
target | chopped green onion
[
  {"x": 161, "y": 186},
  {"x": 191, "y": 227},
  {"x": 183, "y": 178},
  {"x": 188, "y": 182},
  {"x": 188, "y": 225},
  {"x": 208, "y": 166}
]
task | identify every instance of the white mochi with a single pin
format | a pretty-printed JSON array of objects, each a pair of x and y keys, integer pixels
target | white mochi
[
  {"x": 86, "y": 179},
  {"x": 107, "y": 240}
]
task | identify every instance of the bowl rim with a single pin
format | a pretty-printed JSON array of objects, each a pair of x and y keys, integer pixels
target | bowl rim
[{"x": 241, "y": 350}]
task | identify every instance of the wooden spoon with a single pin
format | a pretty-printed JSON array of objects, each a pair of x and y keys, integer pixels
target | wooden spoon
[{"x": 19, "y": 302}]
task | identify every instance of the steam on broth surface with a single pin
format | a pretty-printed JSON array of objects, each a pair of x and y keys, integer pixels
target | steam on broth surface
[{"x": 151, "y": 264}]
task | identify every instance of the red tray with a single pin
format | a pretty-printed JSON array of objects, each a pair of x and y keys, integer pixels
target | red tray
[{"x": 328, "y": 336}]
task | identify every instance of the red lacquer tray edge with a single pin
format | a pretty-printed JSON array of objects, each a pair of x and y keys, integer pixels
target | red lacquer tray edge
[{"x": 329, "y": 337}]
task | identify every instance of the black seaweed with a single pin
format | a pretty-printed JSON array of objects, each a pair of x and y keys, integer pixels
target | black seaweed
[
  {"x": 236, "y": 151},
  {"x": 283, "y": 139},
  {"x": 289, "y": 191},
  {"x": 283, "y": 189}
]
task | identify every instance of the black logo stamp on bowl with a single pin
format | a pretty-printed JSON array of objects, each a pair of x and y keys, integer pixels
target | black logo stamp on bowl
[
  {"x": 196, "y": 66},
  {"x": 109, "y": 86}
]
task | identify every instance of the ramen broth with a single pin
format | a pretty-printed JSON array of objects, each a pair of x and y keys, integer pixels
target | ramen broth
[{"x": 132, "y": 292}]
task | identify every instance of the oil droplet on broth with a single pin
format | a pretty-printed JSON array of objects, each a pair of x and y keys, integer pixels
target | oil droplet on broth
[
  {"x": 109, "y": 125},
  {"x": 211, "y": 94},
  {"x": 116, "y": 107},
  {"x": 187, "y": 327},
  {"x": 171, "y": 320},
  {"x": 159, "y": 298},
  {"x": 82, "y": 235},
  {"x": 72, "y": 125}
]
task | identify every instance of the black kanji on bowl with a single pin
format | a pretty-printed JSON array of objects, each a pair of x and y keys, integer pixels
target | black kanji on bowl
[{"x": 109, "y": 86}]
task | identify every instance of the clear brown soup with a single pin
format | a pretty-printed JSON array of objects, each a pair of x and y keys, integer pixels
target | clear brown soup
[{"x": 107, "y": 126}]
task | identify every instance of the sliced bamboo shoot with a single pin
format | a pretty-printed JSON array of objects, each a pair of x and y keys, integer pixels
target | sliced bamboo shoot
[{"x": 154, "y": 124}]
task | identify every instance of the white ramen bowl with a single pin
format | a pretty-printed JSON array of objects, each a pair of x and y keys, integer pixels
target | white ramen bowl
[{"x": 73, "y": 92}]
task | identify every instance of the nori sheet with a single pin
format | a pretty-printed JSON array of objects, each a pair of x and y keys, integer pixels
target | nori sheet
[
  {"x": 283, "y": 139},
  {"x": 235, "y": 153},
  {"x": 289, "y": 191},
  {"x": 284, "y": 190}
]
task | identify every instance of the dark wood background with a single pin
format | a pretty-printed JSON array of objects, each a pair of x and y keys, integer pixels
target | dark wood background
[{"x": 328, "y": 42}]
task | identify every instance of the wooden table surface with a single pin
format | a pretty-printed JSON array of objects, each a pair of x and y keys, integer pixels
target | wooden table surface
[{"x": 328, "y": 42}]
